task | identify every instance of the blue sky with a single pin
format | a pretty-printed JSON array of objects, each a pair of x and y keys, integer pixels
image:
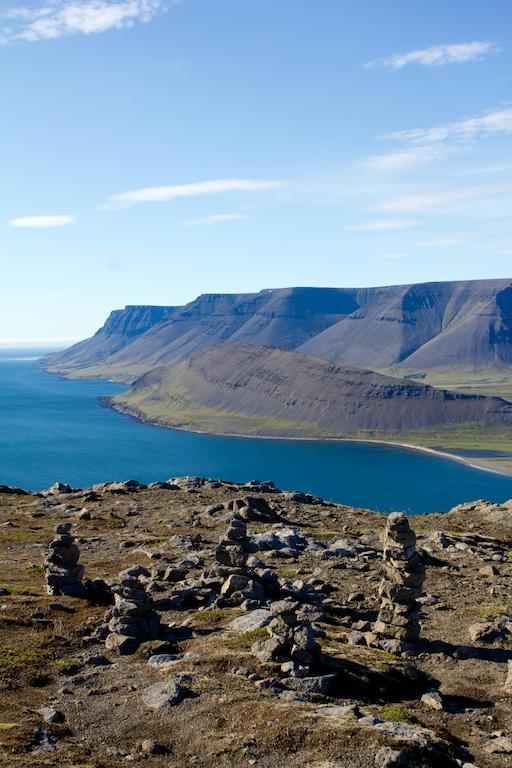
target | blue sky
[{"x": 153, "y": 150}]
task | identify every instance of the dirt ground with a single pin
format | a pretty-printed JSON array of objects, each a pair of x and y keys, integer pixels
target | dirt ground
[{"x": 231, "y": 720}]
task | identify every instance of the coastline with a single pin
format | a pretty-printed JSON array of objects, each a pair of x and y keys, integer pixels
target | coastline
[{"x": 108, "y": 403}]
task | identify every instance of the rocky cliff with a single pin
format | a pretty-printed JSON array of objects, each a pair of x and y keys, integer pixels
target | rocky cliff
[{"x": 463, "y": 325}]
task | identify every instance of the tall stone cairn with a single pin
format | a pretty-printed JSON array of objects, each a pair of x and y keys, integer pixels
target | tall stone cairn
[
  {"x": 397, "y": 627},
  {"x": 132, "y": 619},
  {"x": 62, "y": 573}
]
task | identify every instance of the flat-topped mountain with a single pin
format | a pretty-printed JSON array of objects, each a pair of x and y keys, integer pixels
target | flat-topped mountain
[
  {"x": 242, "y": 388},
  {"x": 464, "y": 325},
  {"x": 121, "y": 328}
]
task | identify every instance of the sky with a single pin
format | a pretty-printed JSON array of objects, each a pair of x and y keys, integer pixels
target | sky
[{"x": 152, "y": 150}]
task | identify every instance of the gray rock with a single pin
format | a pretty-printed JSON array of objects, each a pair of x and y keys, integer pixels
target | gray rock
[
  {"x": 251, "y": 621},
  {"x": 168, "y": 694},
  {"x": 433, "y": 700},
  {"x": 387, "y": 757}
]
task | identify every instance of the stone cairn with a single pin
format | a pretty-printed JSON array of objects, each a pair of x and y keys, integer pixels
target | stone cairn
[
  {"x": 397, "y": 627},
  {"x": 132, "y": 619},
  {"x": 231, "y": 557},
  {"x": 291, "y": 641},
  {"x": 62, "y": 573}
]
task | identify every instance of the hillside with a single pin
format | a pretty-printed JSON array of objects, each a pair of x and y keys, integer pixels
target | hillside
[
  {"x": 457, "y": 327},
  {"x": 241, "y": 388},
  {"x": 201, "y": 688}
]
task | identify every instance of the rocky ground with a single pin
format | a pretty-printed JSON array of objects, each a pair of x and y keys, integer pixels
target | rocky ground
[{"x": 199, "y": 623}]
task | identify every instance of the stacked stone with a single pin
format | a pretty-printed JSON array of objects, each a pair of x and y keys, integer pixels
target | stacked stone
[
  {"x": 397, "y": 626},
  {"x": 239, "y": 583},
  {"x": 62, "y": 573},
  {"x": 132, "y": 619},
  {"x": 291, "y": 641}
]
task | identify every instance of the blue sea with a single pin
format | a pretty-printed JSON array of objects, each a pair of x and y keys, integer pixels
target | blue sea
[{"x": 56, "y": 429}]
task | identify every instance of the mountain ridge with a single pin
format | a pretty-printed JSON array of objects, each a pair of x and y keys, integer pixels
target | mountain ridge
[{"x": 403, "y": 328}]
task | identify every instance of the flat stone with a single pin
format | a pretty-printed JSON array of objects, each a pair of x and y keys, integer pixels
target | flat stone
[
  {"x": 251, "y": 621},
  {"x": 168, "y": 694}
]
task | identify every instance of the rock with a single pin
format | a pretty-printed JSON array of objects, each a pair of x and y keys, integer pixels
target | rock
[
  {"x": 151, "y": 747},
  {"x": 320, "y": 684},
  {"x": 387, "y": 757},
  {"x": 508, "y": 682},
  {"x": 499, "y": 746},
  {"x": 489, "y": 571},
  {"x": 253, "y": 620},
  {"x": 123, "y": 644},
  {"x": 163, "y": 660},
  {"x": 51, "y": 715},
  {"x": 491, "y": 631},
  {"x": 433, "y": 700},
  {"x": 168, "y": 694}
]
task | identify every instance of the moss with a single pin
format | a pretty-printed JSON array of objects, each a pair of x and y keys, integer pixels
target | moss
[
  {"x": 8, "y": 726},
  {"x": 396, "y": 714}
]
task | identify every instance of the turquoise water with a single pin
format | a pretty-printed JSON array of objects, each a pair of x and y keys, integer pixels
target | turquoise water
[{"x": 53, "y": 429}]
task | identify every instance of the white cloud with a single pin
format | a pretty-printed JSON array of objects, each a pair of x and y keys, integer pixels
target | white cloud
[
  {"x": 404, "y": 158},
  {"x": 36, "y": 222},
  {"x": 438, "y": 55},
  {"x": 426, "y": 201},
  {"x": 174, "y": 192},
  {"x": 423, "y": 145},
  {"x": 59, "y": 18},
  {"x": 499, "y": 121},
  {"x": 219, "y": 218},
  {"x": 386, "y": 225}
]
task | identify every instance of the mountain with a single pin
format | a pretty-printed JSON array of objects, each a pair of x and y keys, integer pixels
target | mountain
[
  {"x": 465, "y": 325},
  {"x": 243, "y": 388},
  {"x": 460, "y": 324},
  {"x": 121, "y": 328}
]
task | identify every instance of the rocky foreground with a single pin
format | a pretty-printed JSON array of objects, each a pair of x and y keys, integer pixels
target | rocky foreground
[{"x": 207, "y": 623}]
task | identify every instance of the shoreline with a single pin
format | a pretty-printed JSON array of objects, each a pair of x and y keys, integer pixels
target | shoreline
[{"x": 107, "y": 403}]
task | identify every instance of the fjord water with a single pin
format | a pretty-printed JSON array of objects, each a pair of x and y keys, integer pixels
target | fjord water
[{"x": 55, "y": 429}]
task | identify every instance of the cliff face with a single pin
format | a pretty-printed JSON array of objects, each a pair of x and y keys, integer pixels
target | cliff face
[
  {"x": 462, "y": 324},
  {"x": 284, "y": 391},
  {"x": 459, "y": 325},
  {"x": 120, "y": 329}
]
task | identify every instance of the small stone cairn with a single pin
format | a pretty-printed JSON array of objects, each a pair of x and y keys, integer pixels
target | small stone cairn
[
  {"x": 291, "y": 641},
  {"x": 62, "y": 573},
  {"x": 397, "y": 626},
  {"x": 132, "y": 620}
]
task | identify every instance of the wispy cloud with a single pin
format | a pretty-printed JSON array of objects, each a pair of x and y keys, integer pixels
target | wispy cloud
[
  {"x": 60, "y": 18},
  {"x": 405, "y": 158},
  {"x": 386, "y": 225},
  {"x": 435, "y": 199},
  {"x": 41, "y": 222},
  {"x": 423, "y": 145},
  {"x": 176, "y": 191},
  {"x": 438, "y": 55},
  {"x": 218, "y": 218}
]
